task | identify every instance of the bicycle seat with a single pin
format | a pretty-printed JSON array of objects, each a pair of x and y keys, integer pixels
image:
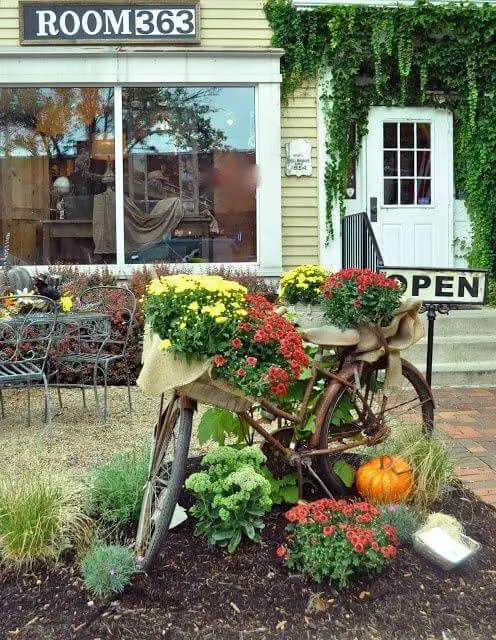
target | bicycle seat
[{"x": 331, "y": 336}]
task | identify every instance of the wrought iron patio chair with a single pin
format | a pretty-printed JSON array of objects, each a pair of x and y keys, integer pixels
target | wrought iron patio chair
[
  {"x": 27, "y": 328},
  {"x": 98, "y": 342}
]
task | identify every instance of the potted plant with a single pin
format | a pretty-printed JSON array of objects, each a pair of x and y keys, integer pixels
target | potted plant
[
  {"x": 353, "y": 298},
  {"x": 300, "y": 289},
  {"x": 210, "y": 338}
]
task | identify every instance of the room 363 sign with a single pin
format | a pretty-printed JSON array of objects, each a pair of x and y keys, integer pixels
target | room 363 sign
[
  {"x": 442, "y": 286},
  {"x": 113, "y": 22}
]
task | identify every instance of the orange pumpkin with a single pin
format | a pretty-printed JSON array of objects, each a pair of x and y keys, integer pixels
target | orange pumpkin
[{"x": 385, "y": 479}]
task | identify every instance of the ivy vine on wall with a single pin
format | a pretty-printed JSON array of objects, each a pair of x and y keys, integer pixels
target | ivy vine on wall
[{"x": 438, "y": 55}]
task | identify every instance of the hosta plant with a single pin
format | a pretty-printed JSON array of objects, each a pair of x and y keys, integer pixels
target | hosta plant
[
  {"x": 232, "y": 496},
  {"x": 354, "y": 297},
  {"x": 334, "y": 540},
  {"x": 302, "y": 284}
]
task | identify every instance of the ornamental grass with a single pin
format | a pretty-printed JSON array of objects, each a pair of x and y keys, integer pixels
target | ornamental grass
[{"x": 39, "y": 519}]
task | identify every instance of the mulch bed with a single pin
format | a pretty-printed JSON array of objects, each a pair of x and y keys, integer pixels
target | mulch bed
[{"x": 201, "y": 592}]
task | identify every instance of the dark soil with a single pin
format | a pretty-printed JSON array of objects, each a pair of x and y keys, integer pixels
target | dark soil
[{"x": 201, "y": 592}]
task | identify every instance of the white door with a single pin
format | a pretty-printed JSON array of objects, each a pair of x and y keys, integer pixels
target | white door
[{"x": 409, "y": 184}]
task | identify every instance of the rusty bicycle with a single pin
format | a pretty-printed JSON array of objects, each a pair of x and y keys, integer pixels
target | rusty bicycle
[{"x": 353, "y": 411}]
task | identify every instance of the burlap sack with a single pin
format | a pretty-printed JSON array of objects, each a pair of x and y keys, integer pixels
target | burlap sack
[
  {"x": 405, "y": 330},
  {"x": 163, "y": 371}
]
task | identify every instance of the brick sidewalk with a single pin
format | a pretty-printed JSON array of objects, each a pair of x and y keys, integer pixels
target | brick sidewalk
[{"x": 468, "y": 417}]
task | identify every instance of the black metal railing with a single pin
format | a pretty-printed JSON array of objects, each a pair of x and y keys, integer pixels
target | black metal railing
[{"x": 360, "y": 248}]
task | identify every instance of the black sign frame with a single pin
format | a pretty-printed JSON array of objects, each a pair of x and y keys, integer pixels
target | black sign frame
[
  {"x": 446, "y": 301},
  {"x": 132, "y": 40}
]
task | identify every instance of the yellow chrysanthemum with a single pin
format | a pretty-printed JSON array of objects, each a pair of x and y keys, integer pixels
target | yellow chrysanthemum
[{"x": 165, "y": 345}]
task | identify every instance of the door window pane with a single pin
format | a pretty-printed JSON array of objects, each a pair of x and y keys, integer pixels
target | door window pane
[
  {"x": 57, "y": 174},
  {"x": 414, "y": 158},
  {"x": 390, "y": 135},
  {"x": 423, "y": 192},
  {"x": 407, "y": 163},
  {"x": 390, "y": 191},
  {"x": 406, "y": 135},
  {"x": 390, "y": 163},
  {"x": 189, "y": 174},
  {"x": 423, "y": 135},
  {"x": 423, "y": 163},
  {"x": 407, "y": 191}
]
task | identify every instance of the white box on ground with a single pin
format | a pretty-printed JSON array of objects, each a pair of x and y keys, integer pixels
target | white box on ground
[{"x": 436, "y": 544}]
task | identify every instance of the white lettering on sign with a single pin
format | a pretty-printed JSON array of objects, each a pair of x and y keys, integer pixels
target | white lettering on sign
[
  {"x": 95, "y": 19},
  {"x": 46, "y": 23},
  {"x": 117, "y": 24},
  {"x": 67, "y": 18},
  {"x": 441, "y": 286},
  {"x": 99, "y": 21}
]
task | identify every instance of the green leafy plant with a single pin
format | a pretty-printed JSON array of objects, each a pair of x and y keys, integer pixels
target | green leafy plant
[
  {"x": 39, "y": 519},
  {"x": 115, "y": 489},
  {"x": 232, "y": 496},
  {"x": 354, "y": 297},
  {"x": 218, "y": 424},
  {"x": 439, "y": 55},
  {"x": 282, "y": 490},
  {"x": 302, "y": 284},
  {"x": 429, "y": 458},
  {"x": 107, "y": 569},
  {"x": 404, "y": 518},
  {"x": 337, "y": 539}
]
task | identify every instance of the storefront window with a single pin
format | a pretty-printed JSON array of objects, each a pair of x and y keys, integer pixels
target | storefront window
[
  {"x": 189, "y": 174},
  {"x": 56, "y": 174}
]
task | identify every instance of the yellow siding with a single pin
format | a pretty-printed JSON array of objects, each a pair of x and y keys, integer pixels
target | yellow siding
[
  {"x": 300, "y": 216},
  {"x": 235, "y": 23}
]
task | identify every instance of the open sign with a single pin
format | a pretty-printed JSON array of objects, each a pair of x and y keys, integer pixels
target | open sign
[{"x": 442, "y": 286}]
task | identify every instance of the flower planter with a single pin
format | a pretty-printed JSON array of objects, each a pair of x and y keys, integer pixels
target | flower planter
[{"x": 308, "y": 315}]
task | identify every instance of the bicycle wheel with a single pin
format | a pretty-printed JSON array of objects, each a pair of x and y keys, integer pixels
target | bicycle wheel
[
  {"x": 167, "y": 467},
  {"x": 411, "y": 404}
]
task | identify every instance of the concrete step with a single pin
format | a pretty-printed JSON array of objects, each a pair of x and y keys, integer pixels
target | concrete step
[
  {"x": 462, "y": 374},
  {"x": 465, "y": 322},
  {"x": 467, "y": 348}
]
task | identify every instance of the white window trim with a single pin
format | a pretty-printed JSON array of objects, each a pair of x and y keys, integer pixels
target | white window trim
[{"x": 204, "y": 66}]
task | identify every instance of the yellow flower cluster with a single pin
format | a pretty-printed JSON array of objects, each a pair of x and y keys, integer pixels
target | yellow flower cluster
[
  {"x": 66, "y": 302},
  {"x": 195, "y": 301},
  {"x": 183, "y": 283},
  {"x": 303, "y": 277}
]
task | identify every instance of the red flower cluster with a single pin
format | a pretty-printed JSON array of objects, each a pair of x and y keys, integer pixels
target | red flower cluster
[
  {"x": 266, "y": 354},
  {"x": 218, "y": 360},
  {"x": 346, "y": 517},
  {"x": 364, "y": 279},
  {"x": 334, "y": 539},
  {"x": 353, "y": 297}
]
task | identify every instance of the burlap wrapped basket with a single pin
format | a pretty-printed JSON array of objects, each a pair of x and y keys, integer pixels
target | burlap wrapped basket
[{"x": 163, "y": 371}]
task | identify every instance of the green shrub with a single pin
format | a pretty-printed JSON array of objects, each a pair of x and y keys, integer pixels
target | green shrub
[
  {"x": 232, "y": 496},
  {"x": 403, "y": 518},
  {"x": 115, "y": 489},
  {"x": 107, "y": 569},
  {"x": 428, "y": 457},
  {"x": 39, "y": 519}
]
